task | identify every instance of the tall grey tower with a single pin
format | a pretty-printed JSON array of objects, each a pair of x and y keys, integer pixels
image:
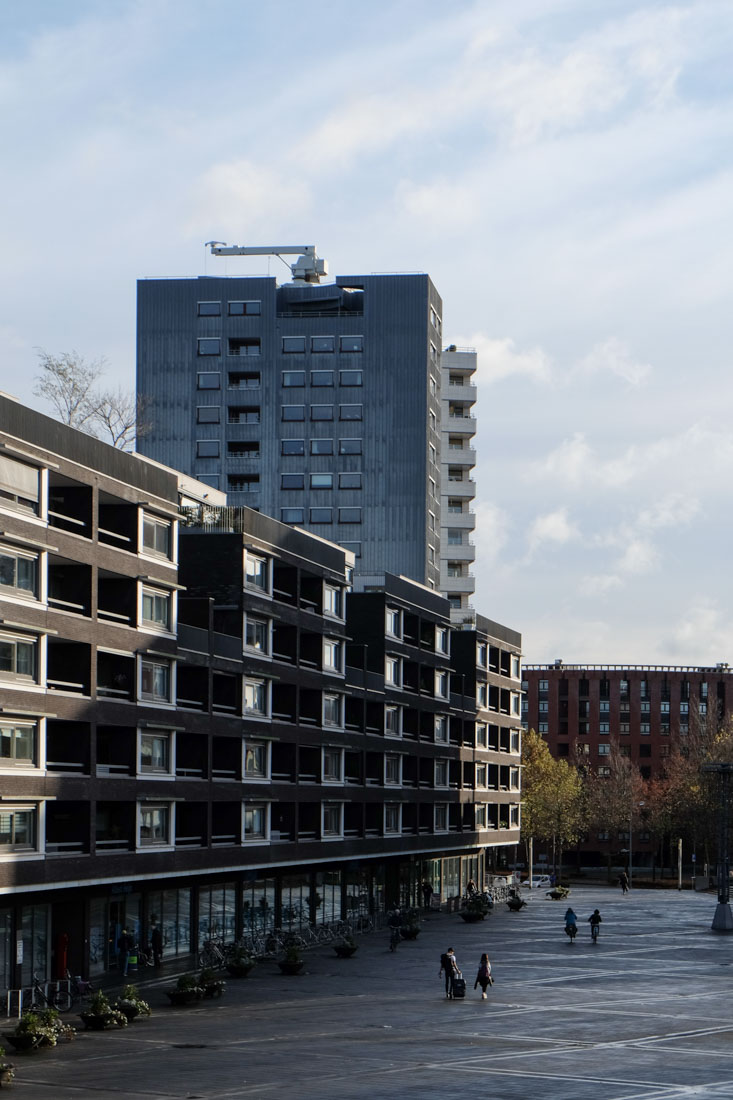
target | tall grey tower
[{"x": 318, "y": 404}]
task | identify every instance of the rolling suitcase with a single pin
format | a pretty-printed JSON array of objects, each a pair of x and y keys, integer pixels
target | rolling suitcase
[{"x": 459, "y": 987}]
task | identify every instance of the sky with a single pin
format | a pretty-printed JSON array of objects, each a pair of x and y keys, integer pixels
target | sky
[{"x": 563, "y": 169}]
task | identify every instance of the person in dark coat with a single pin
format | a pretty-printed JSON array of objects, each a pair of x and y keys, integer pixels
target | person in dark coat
[
  {"x": 125, "y": 945},
  {"x": 623, "y": 881},
  {"x": 449, "y": 967},
  {"x": 427, "y": 893},
  {"x": 156, "y": 944}
]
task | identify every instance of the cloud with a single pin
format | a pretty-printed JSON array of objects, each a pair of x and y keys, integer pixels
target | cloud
[
  {"x": 614, "y": 356},
  {"x": 247, "y": 194},
  {"x": 494, "y": 525},
  {"x": 553, "y": 528},
  {"x": 499, "y": 359}
]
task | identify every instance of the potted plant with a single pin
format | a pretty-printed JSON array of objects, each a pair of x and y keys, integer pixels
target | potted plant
[
  {"x": 346, "y": 947},
  {"x": 101, "y": 1015},
  {"x": 475, "y": 909},
  {"x": 293, "y": 961},
  {"x": 38, "y": 1028},
  {"x": 239, "y": 963},
  {"x": 185, "y": 991},
  {"x": 131, "y": 1003},
  {"x": 210, "y": 984}
]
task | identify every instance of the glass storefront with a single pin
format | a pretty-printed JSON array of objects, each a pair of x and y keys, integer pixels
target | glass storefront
[
  {"x": 217, "y": 913},
  {"x": 170, "y": 910},
  {"x": 327, "y": 897},
  {"x": 295, "y": 901},
  {"x": 34, "y": 921},
  {"x": 258, "y": 906}
]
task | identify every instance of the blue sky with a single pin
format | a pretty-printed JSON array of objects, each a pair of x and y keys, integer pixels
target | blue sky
[{"x": 561, "y": 168}]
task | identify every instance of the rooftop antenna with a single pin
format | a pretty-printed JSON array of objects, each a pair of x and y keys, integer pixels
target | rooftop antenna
[{"x": 306, "y": 269}]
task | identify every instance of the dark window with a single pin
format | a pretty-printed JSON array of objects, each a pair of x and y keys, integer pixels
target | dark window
[
  {"x": 294, "y": 345},
  {"x": 349, "y": 446},
  {"x": 243, "y": 483},
  {"x": 323, "y": 343},
  {"x": 583, "y": 687},
  {"x": 208, "y": 414},
  {"x": 245, "y": 309},
  {"x": 293, "y": 412},
  {"x": 562, "y": 748},
  {"x": 349, "y": 412},
  {"x": 321, "y": 412},
  {"x": 244, "y": 345},
  {"x": 293, "y": 378},
  {"x": 321, "y": 378},
  {"x": 243, "y": 414},
  {"x": 320, "y": 515},
  {"x": 351, "y": 343},
  {"x": 321, "y": 446},
  {"x": 349, "y": 515},
  {"x": 208, "y": 381},
  {"x": 209, "y": 309},
  {"x": 291, "y": 515},
  {"x": 292, "y": 446},
  {"x": 244, "y": 379},
  {"x": 350, "y": 377},
  {"x": 207, "y": 448},
  {"x": 292, "y": 481},
  {"x": 244, "y": 448},
  {"x": 321, "y": 481},
  {"x": 354, "y": 547},
  {"x": 209, "y": 345},
  {"x": 645, "y": 750},
  {"x": 349, "y": 481}
]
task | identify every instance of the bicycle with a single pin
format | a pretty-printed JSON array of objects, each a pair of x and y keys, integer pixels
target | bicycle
[
  {"x": 594, "y": 930},
  {"x": 211, "y": 956},
  {"x": 571, "y": 930},
  {"x": 56, "y": 998},
  {"x": 79, "y": 989}
]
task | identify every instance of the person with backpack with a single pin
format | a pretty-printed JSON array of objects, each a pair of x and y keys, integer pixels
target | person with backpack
[
  {"x": 449, "y": 967},
  {"x": 483, "y": 978}
]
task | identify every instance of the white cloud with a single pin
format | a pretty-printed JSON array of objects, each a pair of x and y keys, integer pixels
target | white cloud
[
  {"x": 553, "y": 528},
  {"x": 500, "y": 359},
  {"x": 614, "y": 356},
  {"x": 492, "y": 533}
]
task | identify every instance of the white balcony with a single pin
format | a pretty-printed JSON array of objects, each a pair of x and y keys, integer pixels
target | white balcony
[
  {"x": 459, "y": 425},
  {"x": 459, "y": 456},
  {"x": 465, "y": 521},
  {"x": 465, "y": 552},
  {"x": 453, "y": 585},
  {"x": 466, "y": 489},
  {"x": 464, "y": 391}
]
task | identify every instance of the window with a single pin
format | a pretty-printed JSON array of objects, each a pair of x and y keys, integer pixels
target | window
[
  {"x": 292, "y": 515},
  {"x": 332, "y": 710},
  {"x": 393, "y": 671},
  {"x": 433, "y": 421},
  {"x": 350, "y": 412},
  {"x": 256, "y": 697},
  {"x": 323, "y": 344},
  {"x": 482, "y": 735},
  {"x": 256, "y": 572},
  {"x": 393, "y": 769},
  {"x": 292, "y": 481},
  {"x": 209, "y": 309},
  {"x": 455, "y": 504},
  {"x": 157, "y": 537},
  {"x": 321, "y": 515},
  {"x": 18, "y": 572},
  {"x": 543, "y": 727},
  {"x": 482, "y": 655},
  {"x": 321, "y": 481},
  {"x": 207, "y": 448},
  {"x": 604, "y": 750},
  {"x": 243, "y": 414},
  {"x": 440, "y": 777},
  {"x": 605, "y": 706},
  {"x": 18, "y": 656},
  {"x": 351, "y": 377},
  {"x": 321, "y": 378},
  {"x": 393, "y": 622},
  {"x": 482, "y": 775},
  {"x": 321, "y": 446},
  {"x": 440, "y": 817},
  {"x": 243, "y": 483},
  {"x": 333, "y": 655},
  {"x": 392, "y": 817},
  {"x": 257, "y": 634},
  {"x": 433, "y": 456},
  {"x": 209, "y": 345},
  {"x": 155, "y": 753},
  {"x": 353, "y": 547},
  {"x": 441, "y": 684},
  {"x": 332, "y": 601},
  {"x": 256, "y": 759},
  {"x": 455, "y": 537},
  {"x": 544, "y": 707},
  {"x": 156, "y": 608},
  {"x": 294, "y": 345},
  {"x": 604, "y": 772},
  {"x": 684, "y": 708},
  {"x": 604, "y": 727},
  {"x": 480, "y": 817},
  {"x": 17, "y": 742},
  {"x": 393, "y": 721},
  {"x": 454, "y": 569},
  {"x": 154, "y": 825},
  {"x": 349, "y": 481},
  {"x": 18, "y": 828},
  {"x": 332, "y": 819},
  {"x": 155, "y": 680},
  {"x": 293, "y": 412},
  {"x": 321, "y": 412},
  {"x": 245, "y": 309},
  {"x": 351, "y": 343},
  {"x": 293, "y": 378},
  {"x": 441, "y": 639},
  {"x": 349, "y": 515},
  {"x": 515, "y": 667},
  {"x": 332, "y": 766},
  {"x": 349, "y": 446},
  {"x": 244, "y": 379},
  {"x": 208, "y": 381},
  {"x": 208, "y": 414},
  {"x": 292, "y": 446},
  {"x": 645, "y": 727},
  {"x": 256, "y": 823}
]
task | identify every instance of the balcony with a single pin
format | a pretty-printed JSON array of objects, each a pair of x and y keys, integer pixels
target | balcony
[
  {"x": 117, "y": 523},
  {"x": 115, "y": 676},
  {"x": 67, "y": 828},
  {"x": 450, "y": 585},
  {"x": 116, "y": 598},
  {"x": 460, "y": 487},
  {"x": 464, "y": 551},
  {"x": 69, "y": 667},
  {"x": 463, "y": 521},
  {"x": 460, "y": 425},
  {"x": 463, "y": 391},
  {"x": 69, "y": 586},
  {"x": 460, "y": 456},
  {"x": 69, "y": 505},
  {"x": 67, "y": 747}
]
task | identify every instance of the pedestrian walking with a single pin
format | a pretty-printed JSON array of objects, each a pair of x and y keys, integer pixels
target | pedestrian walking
[
  {"x": 483, "y": 978},
  {"x": 449, "y": 967},
  {"x": 427, "y": 893},
  {"x": 623, "y": 881}
]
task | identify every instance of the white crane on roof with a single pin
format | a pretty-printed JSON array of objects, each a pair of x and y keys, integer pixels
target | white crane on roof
[{"x": 307, "y": 268}]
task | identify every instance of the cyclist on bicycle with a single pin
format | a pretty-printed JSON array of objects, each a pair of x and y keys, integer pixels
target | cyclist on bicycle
[
  {"x": 395, "y": 923},
  {"x": 571, "y": 923},
  {"x": 595, "y": 921}
]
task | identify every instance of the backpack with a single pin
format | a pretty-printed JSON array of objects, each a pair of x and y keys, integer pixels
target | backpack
[{"x": 446, "y": 962}]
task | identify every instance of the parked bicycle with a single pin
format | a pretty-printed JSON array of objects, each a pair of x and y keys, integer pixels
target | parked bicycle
[
  {"x": 51, "y": 998},
  {"x": 79, "y": 988},
  {"x": 211, "y": 956}
]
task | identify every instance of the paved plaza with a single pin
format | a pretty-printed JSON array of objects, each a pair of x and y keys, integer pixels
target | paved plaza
[{"x": 646, "y": 1013}]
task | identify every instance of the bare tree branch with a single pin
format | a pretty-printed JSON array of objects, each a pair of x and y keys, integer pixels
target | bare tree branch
[{"x": 67, "y": 382}]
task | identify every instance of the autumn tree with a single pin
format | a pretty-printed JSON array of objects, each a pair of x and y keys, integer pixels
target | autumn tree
[
  {"x": 553, "y": 802},
  {"x": 615, "y": 792}
]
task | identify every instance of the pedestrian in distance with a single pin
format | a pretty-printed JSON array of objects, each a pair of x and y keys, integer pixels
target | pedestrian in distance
[
  {"x": 156, "y": 944},
  {"x": 483, "y": 978},
  {"x": 623, "y": 881},
  {"x": 449, "y": 967},
  {"x": 125, "y": 944},
  {"x": 427, "y": 893},
  {"x": 471, "y": 888}
]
